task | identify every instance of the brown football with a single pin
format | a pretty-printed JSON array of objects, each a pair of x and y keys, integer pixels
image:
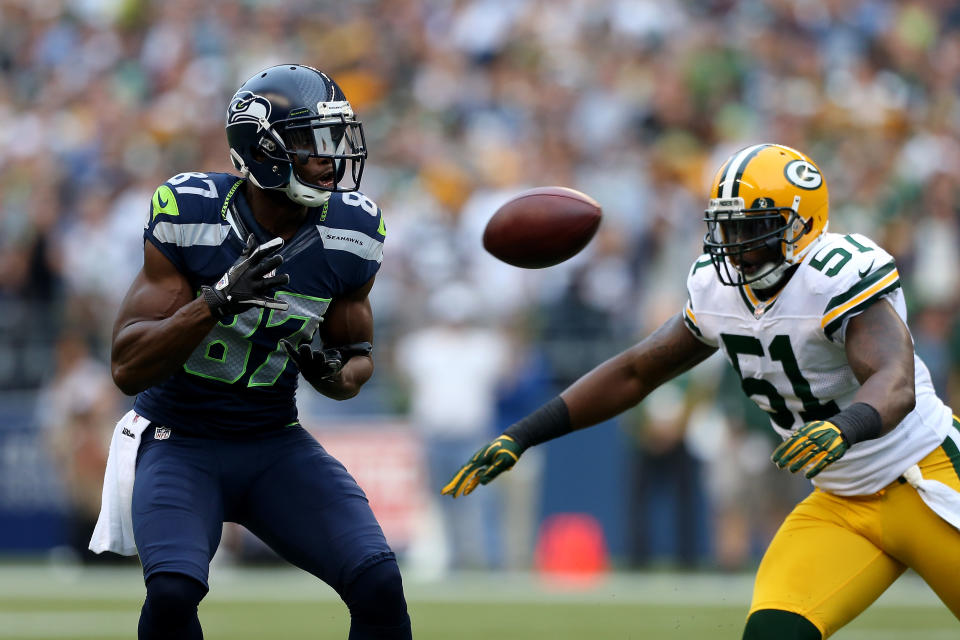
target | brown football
[{"x": 542, "y": 227}]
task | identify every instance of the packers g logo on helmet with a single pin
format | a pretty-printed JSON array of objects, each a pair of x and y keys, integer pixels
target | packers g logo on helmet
[
  {"x": 767, "y": 200},
  {"x": 803, "y": 174}
]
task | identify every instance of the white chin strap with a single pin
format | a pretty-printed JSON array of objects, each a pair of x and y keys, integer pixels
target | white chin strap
[
  {"x": 771, "y": 278},
  {"x": 295, "y": 190},
  {"x": 302, "y": 194}
]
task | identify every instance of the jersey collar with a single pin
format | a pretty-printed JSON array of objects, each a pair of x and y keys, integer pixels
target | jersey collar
[
  {"x": 755, "y": 305},
  {"x": 759, "y": 307}
]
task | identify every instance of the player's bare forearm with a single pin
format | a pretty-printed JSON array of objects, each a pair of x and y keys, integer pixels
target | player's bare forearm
[
  {"x": 880, "y": 351},
  {"x": 348, "y": 382},
  {"x": 349, "y": 320},
  {"x": 159, "y": 324},
  {"x": 147, "y": 351},
  {"x": 624, "y": 380}
]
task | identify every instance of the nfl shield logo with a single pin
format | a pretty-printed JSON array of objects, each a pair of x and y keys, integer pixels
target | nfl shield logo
[{"x": 161, "y": 433}]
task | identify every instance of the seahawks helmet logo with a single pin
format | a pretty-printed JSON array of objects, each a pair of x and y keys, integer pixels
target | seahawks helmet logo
[
  {"x": 248, "y": 107},
  {"x": 802, "y": 174}
]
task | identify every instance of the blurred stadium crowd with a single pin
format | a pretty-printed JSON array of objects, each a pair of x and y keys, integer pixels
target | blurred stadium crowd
[{"x": 465, "y": 103}]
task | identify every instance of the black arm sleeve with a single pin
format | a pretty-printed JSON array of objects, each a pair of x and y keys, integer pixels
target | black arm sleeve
[
  {"x": 858, "y": 422},
  {"x": 550, "y": 421}
]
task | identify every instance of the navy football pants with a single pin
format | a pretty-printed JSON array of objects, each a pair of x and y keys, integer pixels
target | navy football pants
[{"x": 282, "y": 486}]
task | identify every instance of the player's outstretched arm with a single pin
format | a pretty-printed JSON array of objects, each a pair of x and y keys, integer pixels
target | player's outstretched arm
[
  {"x": 345, "y": 363},
  {"x": 880, "y": 352},
  {"x": 606, "y": 391},
  {"x": 623, "y": 381}
]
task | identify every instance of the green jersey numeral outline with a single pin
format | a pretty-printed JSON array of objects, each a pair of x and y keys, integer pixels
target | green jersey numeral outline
[{"x": 234, "y": 338}]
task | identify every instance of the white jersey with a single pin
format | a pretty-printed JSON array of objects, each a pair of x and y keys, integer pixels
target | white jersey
[{"x": 789, "y": 353}]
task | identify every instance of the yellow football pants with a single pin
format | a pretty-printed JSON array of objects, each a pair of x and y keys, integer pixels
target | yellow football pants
[{"x": 833, "y": 555}]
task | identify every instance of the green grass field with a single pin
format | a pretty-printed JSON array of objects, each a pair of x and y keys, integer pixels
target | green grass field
[{"x": 42, "y": 602}]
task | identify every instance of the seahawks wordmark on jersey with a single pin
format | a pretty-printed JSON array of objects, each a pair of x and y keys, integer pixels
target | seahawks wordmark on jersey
[
  {"x": 789, "y": 353},
  {"x": 238, "y": 379}
]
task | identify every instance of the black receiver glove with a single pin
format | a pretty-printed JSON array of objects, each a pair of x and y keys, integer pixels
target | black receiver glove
[
  {"x": 323, "y": 365},
  {"x": 246, "y": 283}
]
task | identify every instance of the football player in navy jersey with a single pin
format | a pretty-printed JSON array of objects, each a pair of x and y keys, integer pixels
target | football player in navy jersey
[{"x": 239, "y": 274}]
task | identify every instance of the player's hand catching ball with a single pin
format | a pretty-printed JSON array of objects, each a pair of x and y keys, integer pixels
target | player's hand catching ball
[
  {"x": 485, "y": 465},
  {"x": 247, "y": 283},
  {"x": 816, "y": 444},
  {"x": 323, "y": 365}
]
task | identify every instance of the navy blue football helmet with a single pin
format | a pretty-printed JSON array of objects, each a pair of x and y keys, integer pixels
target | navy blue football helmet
[{"x": 288, "y": 114}]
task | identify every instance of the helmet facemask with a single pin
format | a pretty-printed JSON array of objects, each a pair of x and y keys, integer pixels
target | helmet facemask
[
  {"x": 765, "y": 230},
  {"x": 298, "y": 139}
]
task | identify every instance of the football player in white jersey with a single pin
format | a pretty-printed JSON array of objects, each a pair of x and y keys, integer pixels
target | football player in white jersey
[{"x": 814, "y": 323}]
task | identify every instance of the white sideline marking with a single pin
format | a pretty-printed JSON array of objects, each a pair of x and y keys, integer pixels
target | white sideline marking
[{"x": 233, "y": 584}]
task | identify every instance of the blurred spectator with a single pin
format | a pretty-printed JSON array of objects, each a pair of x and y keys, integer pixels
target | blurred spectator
[
  {"x": 525, "y": 386},
  {"x": 668, "y": 520},
  {"x": 453, "y": 366},
  {"x": 77, "y": 410}
]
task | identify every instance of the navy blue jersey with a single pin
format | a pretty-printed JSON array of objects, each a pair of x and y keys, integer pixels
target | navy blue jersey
[{"x": 238, "y": 379}]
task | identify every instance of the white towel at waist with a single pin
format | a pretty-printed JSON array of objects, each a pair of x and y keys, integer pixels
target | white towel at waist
[
  {"x": 943, "y": 500},
  {"x": 114, "y": 530}
]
